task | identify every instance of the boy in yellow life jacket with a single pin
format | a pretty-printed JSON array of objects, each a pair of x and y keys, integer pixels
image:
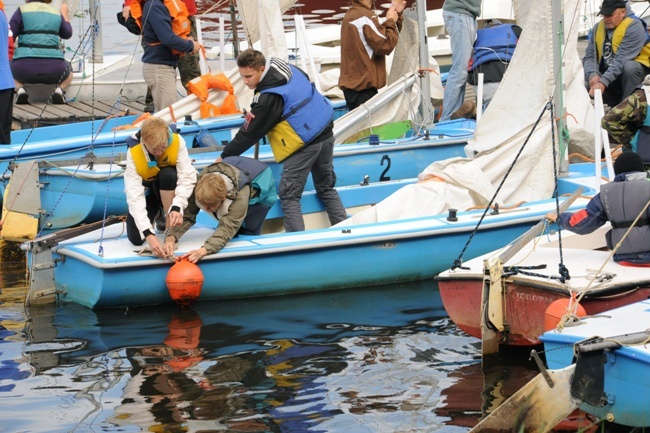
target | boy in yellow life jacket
[{"x": 159, "y": 178}]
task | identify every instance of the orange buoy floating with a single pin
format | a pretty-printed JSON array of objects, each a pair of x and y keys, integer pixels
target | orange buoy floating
[
  {"x": 557, "y": 309},
  {"x": 184, "y": 282}
]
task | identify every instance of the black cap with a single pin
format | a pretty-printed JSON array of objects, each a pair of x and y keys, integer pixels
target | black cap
[
  {"x": 628, "y": 162},
  {"x": 609, "y": 6}
]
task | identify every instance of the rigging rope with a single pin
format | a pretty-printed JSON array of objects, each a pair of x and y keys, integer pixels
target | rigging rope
[{"x": 458, "y": 263}]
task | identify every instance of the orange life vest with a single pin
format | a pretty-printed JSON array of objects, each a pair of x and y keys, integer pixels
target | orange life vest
[{"x": 178, "y": 12}]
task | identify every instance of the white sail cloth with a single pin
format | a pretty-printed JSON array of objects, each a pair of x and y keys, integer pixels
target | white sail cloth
[{"x": 527, "y": 86}]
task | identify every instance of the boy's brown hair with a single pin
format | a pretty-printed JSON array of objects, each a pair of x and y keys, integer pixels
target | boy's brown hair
[
  {"x": 210, "y": 190},
  {"x": 251, "y": 58}
]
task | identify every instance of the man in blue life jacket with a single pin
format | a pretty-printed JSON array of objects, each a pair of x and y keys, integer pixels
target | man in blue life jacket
[
  {"x": 238, "y": 192},
  {"x": 628, "y": 123},
  {"x": 619, "y": 202},
  {"x": 298, "y": 122},
  {"x": 494, "y": 47},
  {"x": 618, "y": 53}
]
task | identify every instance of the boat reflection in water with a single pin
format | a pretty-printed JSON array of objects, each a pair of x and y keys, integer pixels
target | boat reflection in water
[{"x": 377, "y": 358}]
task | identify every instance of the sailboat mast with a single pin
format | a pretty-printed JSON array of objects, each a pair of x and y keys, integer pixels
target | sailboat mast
[
  {"x": 98, "y": 46},
  {"x": 559, "y": 96},
  {"x": 426, "y": 108}
]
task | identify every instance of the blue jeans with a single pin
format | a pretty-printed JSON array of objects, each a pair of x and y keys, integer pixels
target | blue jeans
[{"x": 462, "y": 34}]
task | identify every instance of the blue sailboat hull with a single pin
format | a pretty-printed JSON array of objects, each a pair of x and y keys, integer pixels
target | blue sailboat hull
[
  {"x": 626, "y": 399},
  {"x": 107, "y": 272},
  {"x": 79, "y": 194}
]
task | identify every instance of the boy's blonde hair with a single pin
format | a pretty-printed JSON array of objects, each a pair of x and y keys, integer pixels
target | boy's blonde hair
[
  {"x": 210, "y": 190},
  {"x": 154, "y": 132}
]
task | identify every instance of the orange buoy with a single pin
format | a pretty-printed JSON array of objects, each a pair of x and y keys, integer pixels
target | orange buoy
[
  {"x": 557, "y": 309},
  {"x": 184, "y": 282}
]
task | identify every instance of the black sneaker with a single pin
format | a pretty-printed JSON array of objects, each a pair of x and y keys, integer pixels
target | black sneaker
[
  {"x": 57, "y": 98},
  {"x": 161, "y": 225},
  {"x": 21, "y": 96}
]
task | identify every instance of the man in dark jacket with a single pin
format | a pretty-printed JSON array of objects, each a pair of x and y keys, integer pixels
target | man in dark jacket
[
  {"x": 619, "y": 202},
  {"x": 160, "y": 59},
  {"x": 298, "y": 122}
]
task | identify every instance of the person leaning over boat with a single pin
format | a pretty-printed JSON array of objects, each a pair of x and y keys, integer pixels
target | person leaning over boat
[
  {"x": 619, "y": 202},
  {"x": 162, "y": 49},
  {"x": 38, "y": 57},
  {"x": 159, "y": 178},
  {"x": 365, "y": 43},
  {"x": 628, "y": 123},
  {"x": 298, "y": 121},
  {"x": 237, "y": 192},
  {"x": 6, "y": 83},
  {"x": 617, "y": 55}
]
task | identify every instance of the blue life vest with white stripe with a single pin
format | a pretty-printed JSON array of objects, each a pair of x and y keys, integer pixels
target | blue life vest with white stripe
[{"x": 494, "y": 43}]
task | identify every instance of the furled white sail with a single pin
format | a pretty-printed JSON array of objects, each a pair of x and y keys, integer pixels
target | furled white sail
[{"x": 527, "y": 87}]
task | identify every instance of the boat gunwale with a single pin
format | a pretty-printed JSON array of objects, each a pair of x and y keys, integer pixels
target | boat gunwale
[{"x": 436, "y": 225}]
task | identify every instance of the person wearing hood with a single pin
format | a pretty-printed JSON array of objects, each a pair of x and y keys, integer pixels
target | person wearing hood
[
  {"x": 620, "y": 202},
  {"x": 298, "y": 122}
]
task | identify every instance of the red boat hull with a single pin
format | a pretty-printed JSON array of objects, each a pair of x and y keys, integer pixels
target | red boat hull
[{"x": 524, "y": 306}]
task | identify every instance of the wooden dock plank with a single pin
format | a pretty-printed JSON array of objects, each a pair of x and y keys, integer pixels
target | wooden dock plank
[{"x": 44, "y": 114}]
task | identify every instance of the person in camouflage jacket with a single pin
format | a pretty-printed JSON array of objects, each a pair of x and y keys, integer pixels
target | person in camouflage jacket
[{"x": 624, "y": 120}]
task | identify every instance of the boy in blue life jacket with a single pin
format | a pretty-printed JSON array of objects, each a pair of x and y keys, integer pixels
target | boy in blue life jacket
[
  {"x": 298, "y": 122},
  {"x": 237, "y": 192}
]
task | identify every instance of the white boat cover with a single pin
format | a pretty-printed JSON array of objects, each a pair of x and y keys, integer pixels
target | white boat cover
[
  {"x": 262, "y": 21},
  {"x": 528, "y": 84}
]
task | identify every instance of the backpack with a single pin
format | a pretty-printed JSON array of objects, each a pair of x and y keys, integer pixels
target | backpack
[{"x": 177, "y": 10}]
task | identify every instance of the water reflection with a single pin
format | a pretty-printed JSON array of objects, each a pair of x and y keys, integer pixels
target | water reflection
[{"x": 322, "y": 362}]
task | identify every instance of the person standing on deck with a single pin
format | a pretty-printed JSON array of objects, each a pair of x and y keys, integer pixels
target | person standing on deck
[
  {"x": 298, "y": 121},
  {"x": 617, "y": 57},
  {"x": 365, "y": 43},
  {"x": 6, "y": 83},
  {"x": 460, "y": 22},
  {"x": 188, "y": 65},
  {"x": 162, "y": 50},
  {"x": 37, "y": 28}
]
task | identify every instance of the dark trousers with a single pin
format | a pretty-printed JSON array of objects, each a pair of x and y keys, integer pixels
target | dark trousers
[
  {"x": 166, "y": 180},
  {"x": 354, "y": 98},
  {"x": 6, "y": 115}
]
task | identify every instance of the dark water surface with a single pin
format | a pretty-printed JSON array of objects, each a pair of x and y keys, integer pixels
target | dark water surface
[{"x": 383, "y": 359}]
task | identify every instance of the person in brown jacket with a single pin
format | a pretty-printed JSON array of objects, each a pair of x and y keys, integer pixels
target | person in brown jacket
[{"x": 365, "y": 43}]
